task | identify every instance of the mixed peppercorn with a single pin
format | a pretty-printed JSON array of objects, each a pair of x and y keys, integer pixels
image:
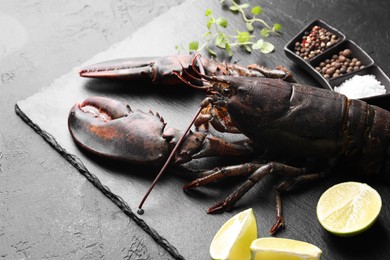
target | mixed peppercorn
[{"x": 315, "y": 42}]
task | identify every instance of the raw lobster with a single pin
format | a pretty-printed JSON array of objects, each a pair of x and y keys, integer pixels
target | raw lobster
[{"x": 300, "y": 132}]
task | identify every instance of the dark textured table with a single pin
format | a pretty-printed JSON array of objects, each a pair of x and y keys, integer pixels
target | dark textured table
[{"x": 49, "y": 210}]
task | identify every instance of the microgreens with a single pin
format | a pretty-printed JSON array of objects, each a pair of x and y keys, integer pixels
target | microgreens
[{"x": 216, "y": 34}]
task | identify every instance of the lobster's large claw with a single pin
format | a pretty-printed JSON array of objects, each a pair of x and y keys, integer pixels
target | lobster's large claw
[
  {"x": 158, "y": 70},
  {"x": 165, "y": 70},
  {"x": 135, "y": 68},
  {"x": 108, "y": 128}
]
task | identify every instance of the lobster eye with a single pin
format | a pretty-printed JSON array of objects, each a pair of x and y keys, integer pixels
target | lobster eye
[{"x": 226, "y": 91}]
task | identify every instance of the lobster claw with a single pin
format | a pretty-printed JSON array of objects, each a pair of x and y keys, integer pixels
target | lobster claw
[
  {"x": 135, "y": 68},
  {"x": 168, "y": 70},
  {"x": 112, "y": 130},
  {"x": 158, "y": 70}
]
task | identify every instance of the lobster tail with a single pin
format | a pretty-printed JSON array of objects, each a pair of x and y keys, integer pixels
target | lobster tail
[{"x": 368, "y": 134}]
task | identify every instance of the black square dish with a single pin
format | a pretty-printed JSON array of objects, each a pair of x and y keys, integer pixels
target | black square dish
[
  {"x": 290, "y": 51},
  {"x": 290, "y": 47},
  {"x": 355, "y": 61},
  {"x": 356, "y": 52},
  {"x": 379, "y": 100}
]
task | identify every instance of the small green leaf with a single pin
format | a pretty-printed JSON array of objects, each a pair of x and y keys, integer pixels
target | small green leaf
[
  {"x": 206, "y": 34},
  {"x": 267, "y": 47},
  {"x": 264, "y": 32},
  {"x": 222, "y": 22},
  {"x": 221, "y": 40},
  {"x": 247, "y": 48},
  {"x": 228, "y": 49},
  {"x": 258, "y": 44},
  {"x": 211, "y": 52},
  {"x": 243, "y": 37},
  {"x": 193, "y": 46},
  {"x": 210, "y": 22},
  {"x": 243, "y": 6},
  {"x": 256, "y": 10},
  {"x": 249, "y": 26},
  {"x": 277, "y": 27},
  {"x": 234, "y": 8}
]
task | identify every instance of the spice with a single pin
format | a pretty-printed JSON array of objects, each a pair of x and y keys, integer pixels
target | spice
[
  {"x": 339, "y": 64},
  {"x": 314, "y": 42},
  {"x": 361, "y": 86}
]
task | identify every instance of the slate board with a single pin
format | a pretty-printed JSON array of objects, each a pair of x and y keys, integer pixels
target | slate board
[{"x": 178, "y": 220}]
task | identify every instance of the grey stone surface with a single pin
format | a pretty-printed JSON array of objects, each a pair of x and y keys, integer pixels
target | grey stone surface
[{"x": 50, "y": 210}]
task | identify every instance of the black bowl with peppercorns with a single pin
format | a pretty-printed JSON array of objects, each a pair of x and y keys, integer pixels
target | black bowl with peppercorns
[
  {"x": 345, "y": 58},
  {"x": 332, "y": 60},
  {"x": 313, "y": 42}
]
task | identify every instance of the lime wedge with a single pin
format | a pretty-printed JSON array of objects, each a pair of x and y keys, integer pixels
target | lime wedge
[
  {"x": 348, "y": 208},
  {"x": 273, "y": 248},
  {"x": 233, "y": 239}
]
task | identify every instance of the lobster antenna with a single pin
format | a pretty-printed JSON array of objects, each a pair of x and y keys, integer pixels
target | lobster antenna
[{"x": 140, "y": 211}]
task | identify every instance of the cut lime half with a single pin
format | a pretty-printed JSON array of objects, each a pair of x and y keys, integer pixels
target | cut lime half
[{"x": 348, "y": 208}]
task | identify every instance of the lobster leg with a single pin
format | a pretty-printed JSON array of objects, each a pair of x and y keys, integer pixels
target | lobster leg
[
  {"x": 258, "y": 174},
  {"x": 285, "y": 186},
  {"x": 221, "y": 173},
  {"x": 255, "y": 177},
  {"x": 299, "y": 178},
  {"x": 279, "y": 223}
]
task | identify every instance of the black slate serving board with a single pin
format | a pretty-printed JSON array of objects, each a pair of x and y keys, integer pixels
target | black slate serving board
[{"x": 176, "y": 219}]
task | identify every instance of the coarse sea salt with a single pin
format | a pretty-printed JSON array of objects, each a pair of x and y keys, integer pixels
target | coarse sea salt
[{"x": 361, "y": 86}]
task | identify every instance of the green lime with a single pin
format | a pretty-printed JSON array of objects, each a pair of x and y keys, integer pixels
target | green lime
[{"x": 348, "y": 208}]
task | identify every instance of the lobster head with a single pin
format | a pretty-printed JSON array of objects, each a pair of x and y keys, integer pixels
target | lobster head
[{"x": 250, "y": 102}]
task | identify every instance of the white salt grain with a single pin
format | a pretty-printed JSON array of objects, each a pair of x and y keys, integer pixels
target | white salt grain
[{"x": 361, "y": 86}]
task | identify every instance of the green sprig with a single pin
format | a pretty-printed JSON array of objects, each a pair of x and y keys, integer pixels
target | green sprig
[{"x": 216, "y": 35}]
